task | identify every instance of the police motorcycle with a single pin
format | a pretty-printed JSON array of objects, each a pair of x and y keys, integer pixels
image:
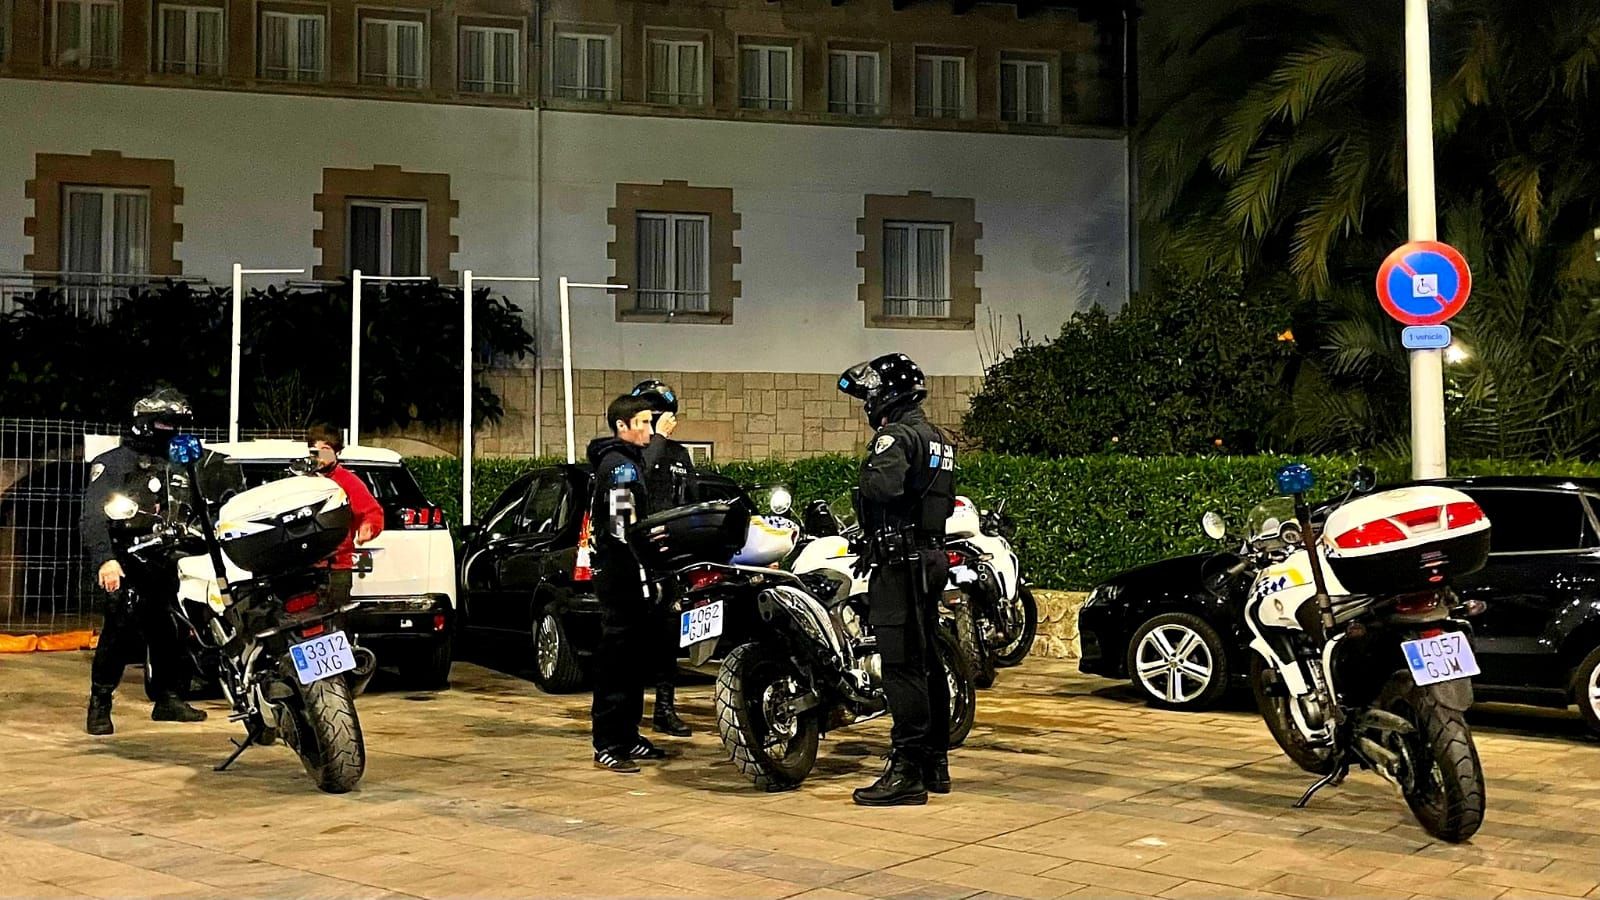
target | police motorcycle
[
  {"x": 252, "y": 602},
  {"x": 807, "y": 664},
  {"x": 985, "y": 570},
  {"x": 987, "y": 606},
  {"x": 1358, "y": 659}
]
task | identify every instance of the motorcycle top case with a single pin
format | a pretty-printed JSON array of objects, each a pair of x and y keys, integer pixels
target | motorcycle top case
[
  {"x": 769, "y": 540},
  {"x": 284, "y": 526},
  {"x": 1410, "y": 539},
  {"x": 701, "y": 533}
]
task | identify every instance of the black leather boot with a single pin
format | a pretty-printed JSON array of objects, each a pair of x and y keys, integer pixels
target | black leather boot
[
  {"x": 665, "y": 720},
  {"x": 99, "y": 711},
  {"x": 900, "y": 785},
  {"x": 936, "y": 774},
  {"x": 170, "y": 708}
]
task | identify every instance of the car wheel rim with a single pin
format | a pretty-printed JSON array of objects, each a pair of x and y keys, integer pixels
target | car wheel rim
[
  {"x": 549, "y": 646},
  {"x": 1594, "y": 691},
  {"x": 1174, "y": 663}
]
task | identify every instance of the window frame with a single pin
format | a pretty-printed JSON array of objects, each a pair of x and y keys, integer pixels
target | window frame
[
  {"x": 108, "y": 239},
  {"x": 656, "y": 94},
  {"x": 852, "y": 79},
  {"x": 940, "y": 109},
  {"x": 394, "y": 21},
  {"x": 766, "y": 103},
  {"x": 191, "y": 65},
  {"x": 560, "y": 514},
  {"x": 85, "y": 34},
  {"x": 915, "y": 228},
  {"x": 292, "y": 74},
  {"x": 386, "y": 208},
  {"x": 674, "y": 293},
  {"x": 1021, "y": 66},
  {"x": 517, "y": 64},
  {"x": 583, "y": 34}
]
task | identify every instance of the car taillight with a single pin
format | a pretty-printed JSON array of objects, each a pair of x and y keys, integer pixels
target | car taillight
[
  {"x": 426, "y": 517},
  {"x": 1460, "y": 515},
  {"x": 1371, "y": 534},
  {"x": 580, "y": 569},
  {"x": 700, "y": 579},
  {"x": 438, "y": 621},
  {"x": 300, "y": 603}
]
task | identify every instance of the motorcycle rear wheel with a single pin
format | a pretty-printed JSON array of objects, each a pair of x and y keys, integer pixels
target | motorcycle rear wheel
[
  {"x": 1274, "y": 707},
  {"x": 327, "y": 735},
  {"x": 775, "y": 755},
  {"x": 1445, "y": 787}
]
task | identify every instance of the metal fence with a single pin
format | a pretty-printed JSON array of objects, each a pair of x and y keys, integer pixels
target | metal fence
[
  {"x": 85, "y": 293},
  {"x": 45, "y": 584}
]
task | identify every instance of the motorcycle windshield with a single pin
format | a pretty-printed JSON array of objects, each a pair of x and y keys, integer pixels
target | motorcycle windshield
[{"x": 1264, "y": 521}]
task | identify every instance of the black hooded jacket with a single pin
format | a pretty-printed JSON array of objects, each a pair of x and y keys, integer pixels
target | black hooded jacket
[{"x": 618, "y": 476}]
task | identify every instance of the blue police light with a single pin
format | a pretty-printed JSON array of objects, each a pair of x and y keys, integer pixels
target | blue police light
[
  {"x": 1296, "y": 478},
  {"x": 184, "y": 449}
]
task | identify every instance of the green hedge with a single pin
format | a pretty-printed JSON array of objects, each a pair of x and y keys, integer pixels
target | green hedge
[{"x": 1078, "y": 520}]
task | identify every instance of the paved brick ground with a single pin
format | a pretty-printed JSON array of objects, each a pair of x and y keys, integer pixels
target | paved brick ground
[{"x": 1067, "y": 787}]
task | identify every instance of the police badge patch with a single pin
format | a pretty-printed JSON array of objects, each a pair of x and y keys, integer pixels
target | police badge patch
[
  {"x": 96, "y": 470},
  {"x": 884, "y": 442}
]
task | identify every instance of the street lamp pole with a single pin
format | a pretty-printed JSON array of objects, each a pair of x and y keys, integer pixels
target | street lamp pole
[{"x": 1427, "y": 366}]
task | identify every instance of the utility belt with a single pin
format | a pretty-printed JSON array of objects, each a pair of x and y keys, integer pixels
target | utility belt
[{"x": 903, "y": 544}]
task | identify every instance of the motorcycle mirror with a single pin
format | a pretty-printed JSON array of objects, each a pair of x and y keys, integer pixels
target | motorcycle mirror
[
  {"x": 121, "y": 508},
  {"x": 1363, "y": 479},
  {"x": 1215, "y": 525}
]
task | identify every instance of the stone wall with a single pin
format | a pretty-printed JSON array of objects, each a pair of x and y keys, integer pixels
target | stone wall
[
  {"x": 1058, "y": 624},
  {"x": 745, "y": 415}
]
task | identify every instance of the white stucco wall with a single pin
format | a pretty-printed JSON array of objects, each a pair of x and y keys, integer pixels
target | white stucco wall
[
  {"x": 250, "y": 164},
  {"x": 1053, "y": 211}
]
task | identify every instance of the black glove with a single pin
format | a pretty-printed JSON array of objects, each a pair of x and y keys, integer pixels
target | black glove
[{"x": 863, "y": 561}]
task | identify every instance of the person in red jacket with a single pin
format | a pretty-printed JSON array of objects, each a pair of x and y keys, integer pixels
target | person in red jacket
[{"x": 366, "y": 522}]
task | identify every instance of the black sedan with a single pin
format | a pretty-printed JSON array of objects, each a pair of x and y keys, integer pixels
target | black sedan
[
  {"x": 1537, "y": 641},
  {"x": 519, "y": 576}
]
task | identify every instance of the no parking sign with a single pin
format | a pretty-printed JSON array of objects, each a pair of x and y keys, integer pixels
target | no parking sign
[{"x": 1424, "y": 283}]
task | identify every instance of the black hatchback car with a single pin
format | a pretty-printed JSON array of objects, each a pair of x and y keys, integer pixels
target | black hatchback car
[
  {"x": 1537, "y": 641},
  {"x": 519, "y": 577}
]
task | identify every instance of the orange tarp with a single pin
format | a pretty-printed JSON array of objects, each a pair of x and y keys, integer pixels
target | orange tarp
[{"x": 28, "y": 643}]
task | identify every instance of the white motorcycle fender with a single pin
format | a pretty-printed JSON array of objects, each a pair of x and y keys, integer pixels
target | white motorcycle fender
[{"x": 833, "y": 554}]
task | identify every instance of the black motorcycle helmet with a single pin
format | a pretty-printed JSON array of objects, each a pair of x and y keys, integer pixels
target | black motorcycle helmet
[
  {"x": 659, "y": 395},
  {"x": 883, "y": 384},
  {"x": 157, "y": 418}
]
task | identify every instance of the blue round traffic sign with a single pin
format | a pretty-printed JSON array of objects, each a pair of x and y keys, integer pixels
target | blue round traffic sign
[{"x": 1424, "y": 283}]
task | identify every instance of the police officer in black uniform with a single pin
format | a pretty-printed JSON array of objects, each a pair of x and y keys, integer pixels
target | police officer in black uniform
[
  {"x": 627, "y": 607},
  {"x": 669, "y": 479},
  {"x": 906, "y": 493},
  {"x": 141, "y": 592}
]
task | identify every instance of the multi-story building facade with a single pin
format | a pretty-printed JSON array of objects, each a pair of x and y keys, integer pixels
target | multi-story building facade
[{"x": 785, "y": 188}]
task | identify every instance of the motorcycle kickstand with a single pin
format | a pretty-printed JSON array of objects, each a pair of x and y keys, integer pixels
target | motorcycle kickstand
[
  {"x": 1335, "y": 777},
  {"x": 250, "y": 736}
]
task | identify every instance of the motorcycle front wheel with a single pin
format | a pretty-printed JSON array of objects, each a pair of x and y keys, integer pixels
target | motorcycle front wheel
[
  {"x": 327, "y": 735},
  {"x": 773, "y": 748},
  {"x": 970, "y": 640},
  {"x": 1018, "y": 645},
  {"x": 963, "y": 693},
  {"x": 1441, "y": 778},
  {"x": 1273, "y": 702}
]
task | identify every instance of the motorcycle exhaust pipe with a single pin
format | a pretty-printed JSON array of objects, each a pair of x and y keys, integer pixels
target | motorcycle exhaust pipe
[{"x": 366, "y": 667}]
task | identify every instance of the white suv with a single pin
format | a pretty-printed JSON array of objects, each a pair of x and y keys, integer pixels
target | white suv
[{"x": 407, "y": 614}]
